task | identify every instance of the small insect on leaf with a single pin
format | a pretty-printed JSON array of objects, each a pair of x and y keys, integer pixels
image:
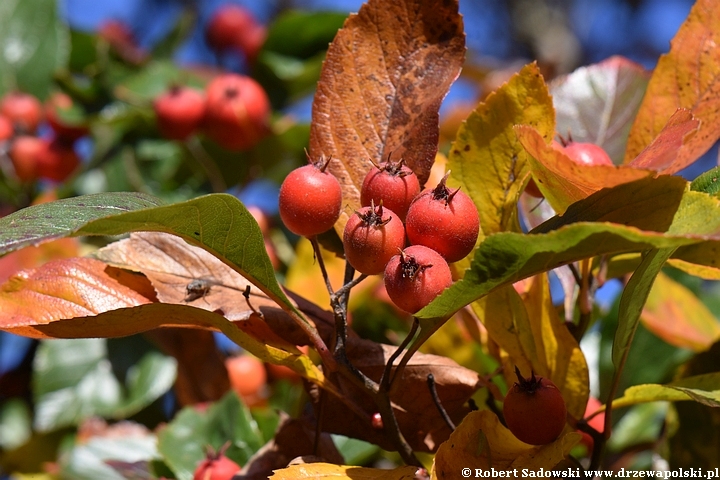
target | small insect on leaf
[{"x": 197, "y": 288}]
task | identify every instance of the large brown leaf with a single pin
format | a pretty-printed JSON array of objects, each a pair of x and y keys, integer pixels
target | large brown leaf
[
  {"x": 185, "y": 274},
  {"x": 686, "y": 77},
  {"x": 381, "y": 86},
  {"x": 418, "y": 418}
]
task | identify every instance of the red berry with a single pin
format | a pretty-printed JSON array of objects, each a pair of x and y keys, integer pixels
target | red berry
[
  {"x": 23, "y": 110},
  {"x": 179, "y": 112},
  {"x": 371, "y": 237},
  {"x": 6, "y": 128},
  {"x": 415, "y": 277},
  {"x": 587, "y": 154},
  {"x": 234, "y": 27},
  {"x": 393, "y": 184},
  {"x": 56, "y": 160},
  {"x": 310, "y": 200},
  {"x": 237, "y": 111},
  {"x": 216, "y": 466},
  {"x": 121, "y": 39},
  {"x": 446, "y": 221},
  {"x": 248, "y": 378},
  {"x": 534, "y": 410},
  {"x": 376, "y": 421},
  {"x": 68, "y": 130},
  {"x": 24, "y": 154}
]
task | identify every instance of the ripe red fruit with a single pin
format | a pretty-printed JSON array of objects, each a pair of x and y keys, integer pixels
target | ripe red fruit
[
  {"x": 234, "y": 27},
  {"x": 371, "y": 237},
  {"x": 446, "y": 221},
  {"x": 534, "y": 410},
  {"x": 23, "y": 110},
  {"x": 237, "y": 111},
  {"x": 393, "y": 184},
  {"x": 68, "y": 130},
  {"x": 216, "y": 466},
  {"x": 310, "y": 199},
  {"x": 587, "y": 154},
  {"x": 24, "y": 153},
  {"x": 56, "y": 160},
  {"x": 415, "y": 277},
  {"x": 179, "y": 112},
  {"x": 6, "y": 128},
  {"x": 121, "y": 39},
  {"x": 247, "y": 377}
]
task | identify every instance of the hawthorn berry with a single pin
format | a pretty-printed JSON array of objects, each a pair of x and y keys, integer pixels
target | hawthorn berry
[
  {"x": 371, "y": 237},
  {"x": 310, "y": 199},
  {"x": 234, "y": 27},
  {"x": 587, "y": 153},
  {"x": 237, "y": 111},
  {"x": 248, "y": 377},
  {"x": 6, "y": 128},
  {"x": 57, "y": 107},
  {"x": 534, "y": 410},
  {"x": 415, "y": 276},
  {"x": 56, "y": 160},
  {"x": 24, "y": 153},
  {"x": 23, "y": 110},
  {"x": 179, "y": 112},
  {"x": 216, "y": 466},
  {"x": 444, "y": 220},
  {"x": 393, "y": 184}
]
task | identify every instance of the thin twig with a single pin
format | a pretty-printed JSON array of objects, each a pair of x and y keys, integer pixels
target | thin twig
[
  {"x": 438, "y": 403},
  {"x": 206, "y": 162},
  {"x": 387, "y": 380}
]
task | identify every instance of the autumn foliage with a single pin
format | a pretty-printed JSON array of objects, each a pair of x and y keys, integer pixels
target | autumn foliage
[{"x": 429, "y": 384}]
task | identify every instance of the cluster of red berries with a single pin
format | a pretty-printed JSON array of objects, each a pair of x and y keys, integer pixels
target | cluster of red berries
[
  {"x": 233, "y": 111},
  {"x": 441, "y": 225},
  {"x": 33, "y": 157}
]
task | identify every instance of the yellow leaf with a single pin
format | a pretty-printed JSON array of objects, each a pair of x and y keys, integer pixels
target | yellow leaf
[
  {"x": 338, "y": 472},
  {"x": 675, "y": 314},
  {"x": 482, "y": 442},
  {"x": 487, "y": 159}
]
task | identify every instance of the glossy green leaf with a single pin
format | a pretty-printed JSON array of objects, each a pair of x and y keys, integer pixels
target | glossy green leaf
[
  {"x": 73, "y": 380},
  {"x": 642, "y": 424},
  {"x": 48, "y": 221},
  {"x": 91, "y": 460},
  {"x": 598, "y": 103},
  {"x": 182, "y": 443},
  {"x": 302, "y": 34},
  {"x": 34, "y": 42}
]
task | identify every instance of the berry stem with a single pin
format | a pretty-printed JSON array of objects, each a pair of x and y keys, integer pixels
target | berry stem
[{"x": 437, "y": 402}]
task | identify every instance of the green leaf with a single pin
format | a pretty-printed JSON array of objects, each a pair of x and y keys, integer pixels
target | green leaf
[
  {"x": 34, "y": 42},
  {"x": 87, "y": 461},
  {"x": 703, "y": 389},
  {"x": 633, "y": 298},
  {"x": 15, "y": 423},
  {"x": 303, "y": 34},
  {"x": 154, "y": 79},
  {"x": 73, "y": 380},
  {"x": 182, "y": 443},
  {"x": 48, "y": 221},
  {"x": 708, "y": 182},
  {"x": 641, "y": 425}
]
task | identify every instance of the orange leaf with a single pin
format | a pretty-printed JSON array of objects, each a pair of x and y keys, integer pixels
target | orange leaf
[
  {"x": 662, "y": 153},
  {"x": 563, "y": 181},
  {"x": 67, "y": 288},
  {"x": 381, "y": 86},
  {"x": 686, "y": 77},
  {"x": 675, "y": 314}
]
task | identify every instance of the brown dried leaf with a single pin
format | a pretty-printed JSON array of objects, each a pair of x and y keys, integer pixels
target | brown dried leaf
[
  {"x": 417, "y": 415},
  {"x": 686, "y": 77},
  {"x": 188, "y": 275},
  {"x": 381, "y": 86}
]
